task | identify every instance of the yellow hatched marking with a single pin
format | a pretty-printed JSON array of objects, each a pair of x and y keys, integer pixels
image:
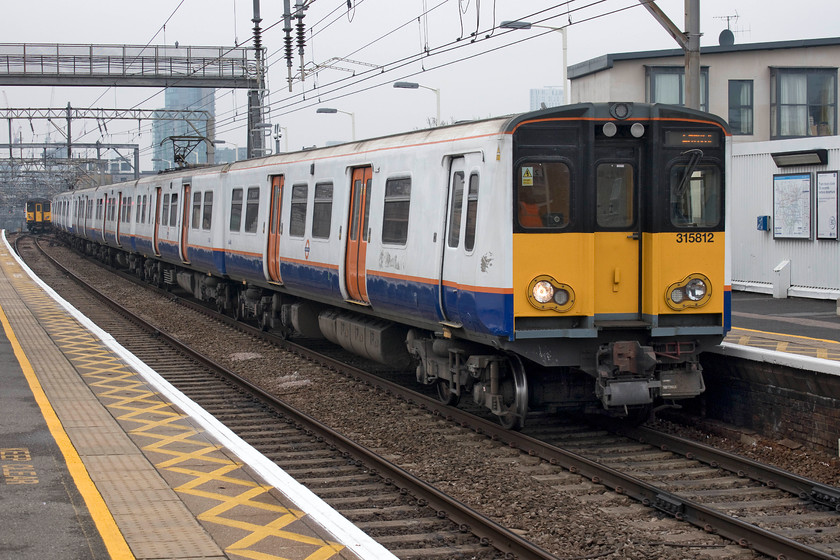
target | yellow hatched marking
[{"x": 130, "y": 401}]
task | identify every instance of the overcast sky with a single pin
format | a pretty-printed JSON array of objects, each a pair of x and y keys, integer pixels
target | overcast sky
[{"x": 478, "y": 76}]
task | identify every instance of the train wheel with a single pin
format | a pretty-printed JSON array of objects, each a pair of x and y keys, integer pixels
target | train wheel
[
  {"x": 446, "y": 396},
  {"x": 514, "y": 389}
]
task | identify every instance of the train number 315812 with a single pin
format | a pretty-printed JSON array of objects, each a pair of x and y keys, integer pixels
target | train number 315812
[{"x": 696, "y": 237}]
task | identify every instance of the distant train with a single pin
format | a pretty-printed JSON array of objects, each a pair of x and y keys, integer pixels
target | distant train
[
  {"x": 571, "y": 258},
  {"x": 38, "y": 215}
]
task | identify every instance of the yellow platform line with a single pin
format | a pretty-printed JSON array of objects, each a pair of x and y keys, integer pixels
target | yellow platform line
[
  {"x": 129, "y": 400},
  {"x": 102, "y": 518}
]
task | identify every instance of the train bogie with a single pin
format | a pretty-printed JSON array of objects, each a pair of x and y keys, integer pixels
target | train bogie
[{"x": 548, "y": 260}]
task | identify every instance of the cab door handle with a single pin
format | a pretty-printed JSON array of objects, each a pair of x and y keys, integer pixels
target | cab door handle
[{"x": 634, "y": 235}]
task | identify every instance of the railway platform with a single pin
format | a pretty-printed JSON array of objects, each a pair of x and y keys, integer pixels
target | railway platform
[
  {"x": 796, "y": 330},
  {"x": 100, "y": 459}
]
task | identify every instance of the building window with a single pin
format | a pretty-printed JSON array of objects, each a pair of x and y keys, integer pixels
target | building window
[
  {"x": 803, "y": 102},
  {"x": 741, "y": 106},
  {"x": 395, "y": 212},
  {"x": 297, "y": 222},
  {"x": 322, "y": 210},
  {"x": 666, "y": 84}
]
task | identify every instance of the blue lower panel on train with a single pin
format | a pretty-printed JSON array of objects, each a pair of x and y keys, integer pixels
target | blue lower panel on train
[
  {"x": 243, "y": 266},
  {"x": 313, "y": 278},
  {"x": 207, "y": 260}
]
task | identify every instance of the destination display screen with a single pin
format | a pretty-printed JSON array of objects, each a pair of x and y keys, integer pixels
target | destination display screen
[{"x": 692, "y": 138}]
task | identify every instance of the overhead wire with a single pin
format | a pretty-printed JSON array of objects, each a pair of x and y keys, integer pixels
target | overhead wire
[{"x": 299, "y": 101}]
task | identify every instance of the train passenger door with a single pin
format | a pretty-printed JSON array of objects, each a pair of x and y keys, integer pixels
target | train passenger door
[
  {"x": 155, "y": 234},
  {"x": 118, "y": 218},
  {"x": 355, "y": 269},
  {"x": 459, "y": 239},
  {"x": 273, "y": 248},
  {"x": 618, "y": 234},
  {"x": 185, "y": 222}
]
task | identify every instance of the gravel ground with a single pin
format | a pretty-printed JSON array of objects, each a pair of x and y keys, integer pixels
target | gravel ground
[{"x": 560, "y": 512}]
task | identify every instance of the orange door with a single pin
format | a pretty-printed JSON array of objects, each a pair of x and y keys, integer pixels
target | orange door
[
  {"x": 273, "y": 249},
  {"x": 156, "y": 240},
  {"x": 357, "y": 235},
  {"x": 185, "y": 223}
]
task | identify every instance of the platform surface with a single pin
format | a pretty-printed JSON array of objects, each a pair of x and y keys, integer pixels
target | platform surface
[
  {"x": 809, "y": 327},
  {"x": 98, "y": 463}
]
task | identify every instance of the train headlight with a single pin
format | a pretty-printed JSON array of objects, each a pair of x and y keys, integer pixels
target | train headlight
[
  {"x": 546, "y": 293},
  {"x": 543, "y": 291},
  {"x": 693, "y": 291}
]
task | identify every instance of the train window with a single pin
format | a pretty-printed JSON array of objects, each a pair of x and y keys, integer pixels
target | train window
[
  {"x": 196, "y": 211},
  {"x": 164, "y": 213},
  {"x": 207, "y": 215},
  {"x": 615, "y": 195},
  {"x": 137, "y": 215},
  {"x": 455, "y": 208},
  {"x": 173, "y": 210},
  {"x": 143, "y": 211},
  {"x": 99, "y": 209},
  {"x": 236, "y": 210},
  {"x": 322, "y": 210},
  {"x": 297, "y": 221},
  {"x": 252, "y": 210},
  {"x": 695, "y": 195},
  {"x": 395, "y": 212},
  {"x": 543, "y": 192},
  {"x": 472, "y": 213}
]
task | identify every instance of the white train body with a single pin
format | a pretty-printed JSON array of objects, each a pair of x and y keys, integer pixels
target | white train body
[{"x": 407, "y": 247}]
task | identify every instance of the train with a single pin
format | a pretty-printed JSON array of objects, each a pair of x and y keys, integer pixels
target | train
[
  {"x": 38, "y": 215},
  {"x": 569, "y": 259}
]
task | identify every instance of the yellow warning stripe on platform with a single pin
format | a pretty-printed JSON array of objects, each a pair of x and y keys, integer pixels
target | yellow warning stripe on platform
[
  {"x": 262, "y": 527},
  {"x": 787, "y": 343},
  {"x": 101, "y": 515}
]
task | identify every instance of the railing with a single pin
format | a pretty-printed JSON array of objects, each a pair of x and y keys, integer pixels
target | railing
[{"x": 153, "y": 61}]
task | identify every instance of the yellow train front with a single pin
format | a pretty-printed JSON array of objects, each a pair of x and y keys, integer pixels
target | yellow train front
[
  {"x": 38, "y": 215},
  {"x": 619, "y": 252}
]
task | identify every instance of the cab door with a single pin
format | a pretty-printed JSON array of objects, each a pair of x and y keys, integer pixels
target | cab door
[
  {"x": 618, "y": 234},
  {"x": 355, "y": 270},
  {"x": 274, "y": 233}
]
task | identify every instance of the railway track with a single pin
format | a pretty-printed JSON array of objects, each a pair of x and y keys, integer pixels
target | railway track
[
  {"x": 403, "y": 513},
  {"x": 759, "y": 508}
]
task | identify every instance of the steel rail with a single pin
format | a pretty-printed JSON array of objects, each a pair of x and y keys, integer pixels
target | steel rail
[{"x": 469, "y": 521}]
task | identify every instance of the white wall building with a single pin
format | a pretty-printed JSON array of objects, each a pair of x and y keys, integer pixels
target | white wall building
[{"x": 780, "y": 99}]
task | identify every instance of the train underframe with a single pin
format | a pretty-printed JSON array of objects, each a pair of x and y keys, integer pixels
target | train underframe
[{"x": 626, "y": 377}]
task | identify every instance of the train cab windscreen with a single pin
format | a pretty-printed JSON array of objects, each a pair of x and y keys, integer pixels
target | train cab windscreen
[{"x": 543, "y": 194}]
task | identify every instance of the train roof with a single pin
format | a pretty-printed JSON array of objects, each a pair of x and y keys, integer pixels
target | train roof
[{"x": 467, "y": 129}]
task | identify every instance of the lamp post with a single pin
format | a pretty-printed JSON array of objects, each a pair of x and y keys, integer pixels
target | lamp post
[
  {"x": 330, "y": 110},
  {"x": 562, "y": 30},
  {"x": 415, "y": 85}
]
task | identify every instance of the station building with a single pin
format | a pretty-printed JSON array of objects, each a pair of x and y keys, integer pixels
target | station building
[{"x": 780, "y": 99}]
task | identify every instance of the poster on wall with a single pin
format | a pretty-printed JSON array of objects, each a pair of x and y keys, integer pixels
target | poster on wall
[
  {"x": 827, "y": 205},
  {"x": 792, "y": 206}
]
